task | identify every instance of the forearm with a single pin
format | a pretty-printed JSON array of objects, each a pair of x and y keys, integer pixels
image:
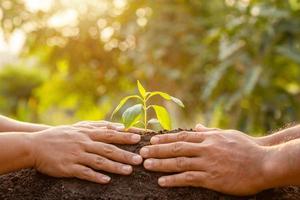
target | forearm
[
  {"x": 283, "y": 164},
  {"x": 11, "y": 125},
  {"x": 281, "y": 136},
  {"x": 15, "y": 152}
]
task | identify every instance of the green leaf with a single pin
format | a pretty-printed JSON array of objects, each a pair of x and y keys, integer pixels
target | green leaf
[
  {"x": 162, "y": 94},
  {"x": 132, "y": 115},
  {"x": 167, "y": 97},
  {"x": 141, "y": 89},
  {"x": 162, "y": 116},
  {"x": 122, "y": 102},
  {"x": 177, "y": 101}
]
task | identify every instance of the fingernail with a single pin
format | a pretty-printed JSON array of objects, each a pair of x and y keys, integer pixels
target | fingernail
[
  {"x": 127, "y": 169},
  {"x": 137, "y": 159},
  {"x": 162, "y": 181},
  {"x": 135, "y": 138},
  {"x": 154, "y": 140},
  {"x": 148, "y": 163},
  {"x": 144, "y": 152},
  {"x": 106, "y": 179}
]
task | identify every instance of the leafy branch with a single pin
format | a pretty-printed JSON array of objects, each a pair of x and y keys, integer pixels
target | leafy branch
[{"x": 138, "y": 114}]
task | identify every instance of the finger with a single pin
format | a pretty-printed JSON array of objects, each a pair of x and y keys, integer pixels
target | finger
[
  {"x": 85, "y": 126},
  {"x": 130, "y": 130},
  {"x": 92, "y": 123},
  {"x": 176, "y": 149},
  {"x": 102, "y": 124},
  {"x": 185, "y": 136},
  {"x": 202, "y": 128},
  {"x": 100, "y": 163},
  {"x": 113, "y": 136},
  {"x": 179, "y": 164},
  {"x": 138, "y": 130},
  {"x": 190, "y": 178},
  {"x": 117, "y": 126},
  {"x": 85, "y": 173},
  {"x": 114, "y": 153}
]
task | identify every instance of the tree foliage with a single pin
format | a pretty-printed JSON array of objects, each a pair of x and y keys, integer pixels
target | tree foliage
[{"x": 235, "y": 63}]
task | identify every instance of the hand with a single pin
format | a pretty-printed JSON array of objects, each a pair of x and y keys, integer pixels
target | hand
[
  {"x": 225, "y": 161},
  {"x": 107, "y": 124},
  {"x": 232, "y": 133},
  {"x": 80, "y": 149}
]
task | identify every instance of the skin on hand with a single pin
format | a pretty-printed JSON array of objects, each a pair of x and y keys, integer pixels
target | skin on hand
[
  {"x": 232, "y": 133},
  {"x": 282, "y": 136},
  {"x": 225, "y": 161},
  {"x": 81, "y": 149}
]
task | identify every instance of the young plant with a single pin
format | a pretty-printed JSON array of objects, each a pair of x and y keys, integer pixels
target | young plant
[{"x": 138, "y": 114}]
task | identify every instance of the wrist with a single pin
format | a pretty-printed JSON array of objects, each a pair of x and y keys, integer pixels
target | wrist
[
  {"x": 262, "y": 141},
  {"x": 274, "y": 167},
  {"x": 29, "y": 127},
  {"x": 29, "y": 144}
]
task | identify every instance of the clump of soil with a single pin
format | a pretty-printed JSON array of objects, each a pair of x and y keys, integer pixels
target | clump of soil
[{"x": 29, "y": 184}]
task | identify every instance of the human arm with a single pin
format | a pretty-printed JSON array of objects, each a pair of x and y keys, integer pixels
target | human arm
[
  {"x": 11, "y": 125},
  {"x": 69, "y": 151},
  {"x": 281, "y": 136}
]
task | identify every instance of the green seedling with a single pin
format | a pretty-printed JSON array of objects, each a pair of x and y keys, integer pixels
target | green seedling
[{"x": 138, "y": 114}]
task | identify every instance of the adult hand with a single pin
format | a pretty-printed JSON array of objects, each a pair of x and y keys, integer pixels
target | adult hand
[
  {"x": 107, "y": 124},
  {"x": 81, "y": 149},
  {"x": 223, "y": 160},
  {"x": 232, "y": 133}
]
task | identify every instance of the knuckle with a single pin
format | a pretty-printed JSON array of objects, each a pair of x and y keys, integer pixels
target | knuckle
[
  {"x": 180, "y": 162},
  {"x": 83, "y": 144},
  {"x": 68, "y": 135},
  {"x": 86, "y": 172},
  {"x": 127, "y": 156},
  {"x": 189, "y": 177},
  {"x": 87, "y": 131},
  {"x": 108, "y": 149},
  {"x": 182, "y": 136},
  {"x": 177, "y": 147},
  {"x": 110, "y": 126},
  {"x": 74, "y": 153},
  {"x": 99, "y": 161},
  {"x": 127, "y": 137},
  {"x": 109, "y": 134}
]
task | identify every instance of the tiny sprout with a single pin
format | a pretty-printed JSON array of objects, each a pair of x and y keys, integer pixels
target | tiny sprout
[{"x": 138, "y": 114}]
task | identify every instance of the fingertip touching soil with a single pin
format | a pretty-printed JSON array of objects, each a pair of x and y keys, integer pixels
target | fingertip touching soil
[{"x": 28, "y": 184}]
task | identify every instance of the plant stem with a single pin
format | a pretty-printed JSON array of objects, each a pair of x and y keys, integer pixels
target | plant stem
[{"x": 145, "y": 114}]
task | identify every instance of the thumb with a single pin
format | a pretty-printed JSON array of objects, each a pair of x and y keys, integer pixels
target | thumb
[{"x": 201, "y": 127}]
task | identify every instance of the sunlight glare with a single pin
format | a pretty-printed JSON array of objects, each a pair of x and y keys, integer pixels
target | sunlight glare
[
  {"x": 68, "y": 17},
  {"x": 38, "y": 5},
  {"x": 107, "y": 33},
  {"x": 120, "y": 3}
]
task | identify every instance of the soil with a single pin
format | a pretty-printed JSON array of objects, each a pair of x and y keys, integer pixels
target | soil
[{"x": 28, "y": 184}]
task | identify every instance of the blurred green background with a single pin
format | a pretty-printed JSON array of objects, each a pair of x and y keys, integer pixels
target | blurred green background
[{"x": 234, "y": 63}]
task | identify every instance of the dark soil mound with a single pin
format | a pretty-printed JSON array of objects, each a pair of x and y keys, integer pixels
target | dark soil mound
[{"x": 30, "y": 185}]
